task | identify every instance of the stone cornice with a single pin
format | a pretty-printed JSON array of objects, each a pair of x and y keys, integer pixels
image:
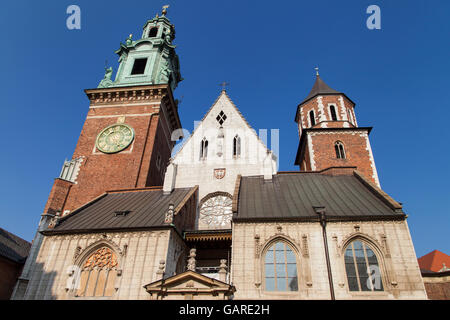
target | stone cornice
[
  {"x": 102, "y": 96},
  {"x": 132, "y": 94}
]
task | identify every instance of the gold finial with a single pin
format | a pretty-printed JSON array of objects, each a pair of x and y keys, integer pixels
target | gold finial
[
  {"x": 317, "y": 70},
  {"x": 164, "y": 11}
]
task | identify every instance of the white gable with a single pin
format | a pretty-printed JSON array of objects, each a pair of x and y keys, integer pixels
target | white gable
[{"x": 192, "y": 170}]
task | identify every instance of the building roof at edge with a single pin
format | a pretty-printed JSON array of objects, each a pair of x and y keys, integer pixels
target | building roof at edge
[{"x": 13, "y": 247}]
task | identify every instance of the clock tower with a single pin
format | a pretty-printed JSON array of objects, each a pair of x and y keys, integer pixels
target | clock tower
[{"x": 125, "y": 142}]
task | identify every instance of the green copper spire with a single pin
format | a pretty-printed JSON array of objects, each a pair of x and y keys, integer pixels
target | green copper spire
[{"x": 148, "y": 60}]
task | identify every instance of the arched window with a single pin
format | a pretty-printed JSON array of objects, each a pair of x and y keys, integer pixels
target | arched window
[
  {"x": 350, "y": 116},
  {"x": 312, "y": 118},
  {"x": 216, "y": 210},
  {"x": 98, "y": 274},
  {"x": 361, "y": 266},
  {"x": 153, "y": 32},
  {"x": 204, "y": 149},
  {"x": 333, "y": 113},
  {"x": 236, "y": 146},
  {"x": 280, "y": 268},
  {"x": 339, "y": 148}
]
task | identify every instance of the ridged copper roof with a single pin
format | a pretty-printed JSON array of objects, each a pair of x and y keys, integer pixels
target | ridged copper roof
[{"x": 294, "y": 195}]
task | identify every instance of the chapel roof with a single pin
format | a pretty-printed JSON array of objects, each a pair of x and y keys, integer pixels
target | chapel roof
[
  {"x": 434, "y": 261},
  {"x": 130, "y": 209},
  {"x": 13, "y": 247},
  {"x": 292, "y": 196}
]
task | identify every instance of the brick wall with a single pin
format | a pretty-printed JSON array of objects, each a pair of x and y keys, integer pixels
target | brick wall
[
  {"x": 58, "y": 196},
  {"x": 438, "y": 287},
  {"x": 319, "y": 152},
  {"x": 355, "y": 146},
  {"x": 150, "y": 115}
]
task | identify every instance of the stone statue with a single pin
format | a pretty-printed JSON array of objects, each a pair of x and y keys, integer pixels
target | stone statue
[
  {"x": 168, "y": 37},
  {"x": 106, "y": 81},
  {"x": 164, "y": 73},
  {"x": 191, "y": 261},
  {"x": 223, "y": 270}
]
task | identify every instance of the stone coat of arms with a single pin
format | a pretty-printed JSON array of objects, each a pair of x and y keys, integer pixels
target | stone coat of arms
[{"x": 219, "y": 173}]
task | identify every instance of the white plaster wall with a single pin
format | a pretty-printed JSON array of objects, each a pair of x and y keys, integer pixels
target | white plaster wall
[{"x": 193, "y": 171}]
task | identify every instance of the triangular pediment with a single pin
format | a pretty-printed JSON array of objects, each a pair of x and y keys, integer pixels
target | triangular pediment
[{"x": 187, "y": 280}]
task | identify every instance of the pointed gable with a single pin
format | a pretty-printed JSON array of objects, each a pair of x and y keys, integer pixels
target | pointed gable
[
  {"x": 210, "y": 120},
  {"x": 190, "y": 283},
  {"x": 222, "y": 146}
]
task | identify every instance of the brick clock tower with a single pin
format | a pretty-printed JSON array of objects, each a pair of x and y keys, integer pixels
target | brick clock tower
[
  {"x": 126, "y": 140},
  {"x": 329, "y": 133}
]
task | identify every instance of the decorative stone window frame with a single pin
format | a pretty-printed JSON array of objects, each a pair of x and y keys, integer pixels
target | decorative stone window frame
[
  {"x": 237, "y": 146},
  {"x": 338, "y": 143},
  {"x": 133, "y": 59},
  {"x": 335, "y": 111},
  {"x": 209, "y": 196},
  {"x": 351, "y": 116},
  {"x": 374, "y": 245},
  {"x": 149, "y": 29},
  {"x": 310, "y": 125},
  {"x": 302, "y": 264},
  {"x": 204, "y": 144},
  {"x": 80, "y": 257}
]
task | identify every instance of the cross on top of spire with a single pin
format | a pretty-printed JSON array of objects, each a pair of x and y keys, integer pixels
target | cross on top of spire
[
  {"x": 317, "y": 70},
  {"x": 224, "y": 85}
]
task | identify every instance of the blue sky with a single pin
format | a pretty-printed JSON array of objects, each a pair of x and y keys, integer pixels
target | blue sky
[{"x": 267, "y": 51}]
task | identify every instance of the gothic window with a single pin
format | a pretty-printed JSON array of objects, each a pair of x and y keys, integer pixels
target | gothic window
[
  {"x": 333, "y": 113},
  {"x": 280, "y": 268},
  {"x": 312, "y": 118},
  {"x": 221, "y": 117},
  {"x": 236, "y": 146},
  {"x": 153, "y": 32},
  {"x": 339, "y": 148},
  {"x": 216, "y": 211},
  {"x": 204, "y": 149},
  {"x": 98, "y": 274},
  {"x": 361, "y": 266},
  {"x": 139, "y": 66}
]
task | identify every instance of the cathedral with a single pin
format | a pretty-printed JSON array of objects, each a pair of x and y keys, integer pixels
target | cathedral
[{"x": 127, "y": 218}]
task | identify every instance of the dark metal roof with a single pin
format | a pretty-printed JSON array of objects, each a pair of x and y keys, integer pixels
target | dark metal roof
[
  {"x": 146, "y": 209},
  {"x": 13, "y": 247},
  {"x": 320, "y": 87},
  {"x": 293, "y": 195}
]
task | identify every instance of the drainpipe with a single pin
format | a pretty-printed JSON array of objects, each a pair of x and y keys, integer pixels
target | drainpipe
[{"x": 323, "y": 222}]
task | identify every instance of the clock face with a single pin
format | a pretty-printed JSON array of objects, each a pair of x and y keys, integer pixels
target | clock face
[
  {"x": 114, "y": 138},
  {"x": 216, "y": 212}
]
